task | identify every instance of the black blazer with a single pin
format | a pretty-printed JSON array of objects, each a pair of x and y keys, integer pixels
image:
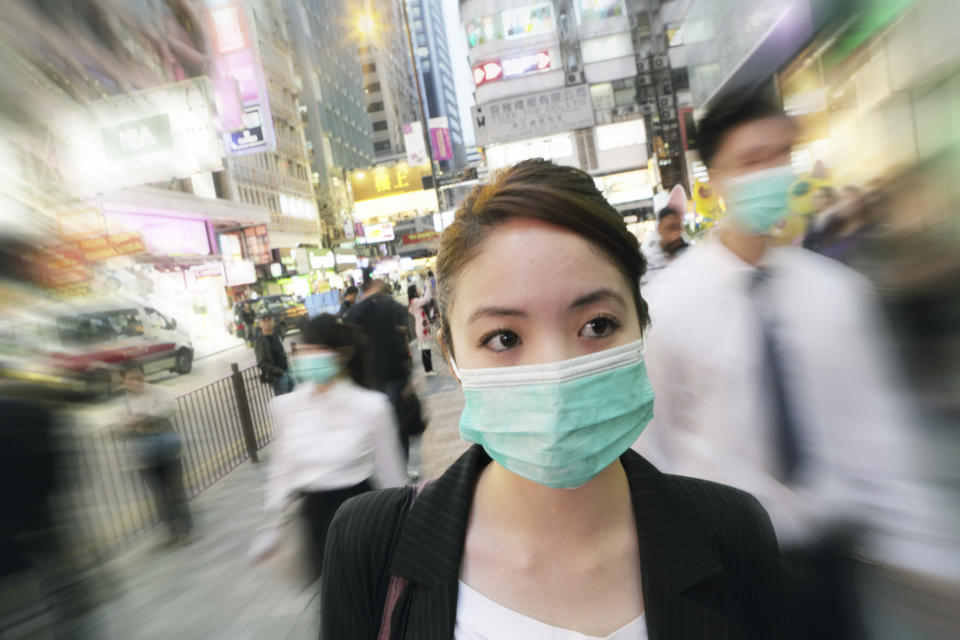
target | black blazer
[{"x": 711, "y": 568}]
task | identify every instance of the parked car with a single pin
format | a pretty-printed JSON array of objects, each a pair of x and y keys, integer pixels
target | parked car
[{"x": 86, "y": 346}]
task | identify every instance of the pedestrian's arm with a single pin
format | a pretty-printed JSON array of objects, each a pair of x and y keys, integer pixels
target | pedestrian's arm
[{"x": 389, "y": 463}]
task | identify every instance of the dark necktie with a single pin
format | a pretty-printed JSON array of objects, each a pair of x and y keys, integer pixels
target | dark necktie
[{"x": 785, "y": 435}]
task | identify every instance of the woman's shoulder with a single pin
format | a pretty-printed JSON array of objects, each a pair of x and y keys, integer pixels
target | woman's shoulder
[
  {"x": 734, "y": 519},
  {"x": 364, "y": 527},
  {"x": 367, "y": 397}
]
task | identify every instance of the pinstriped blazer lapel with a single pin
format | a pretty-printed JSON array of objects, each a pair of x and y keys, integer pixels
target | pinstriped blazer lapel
[{"x": 676, "y": 554}]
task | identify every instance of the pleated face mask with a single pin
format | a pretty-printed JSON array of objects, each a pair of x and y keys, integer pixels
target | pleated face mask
[{"x": 559, "y": 424}]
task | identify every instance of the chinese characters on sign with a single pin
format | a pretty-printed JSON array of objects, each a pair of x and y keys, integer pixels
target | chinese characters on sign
[
  {"x": 420, "y": 236},
  {"x": 387, "y": 180},
  {"x": 534, "y": 115}
]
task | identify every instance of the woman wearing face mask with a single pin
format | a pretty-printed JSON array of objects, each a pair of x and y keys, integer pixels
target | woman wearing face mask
[
  {"x": 549, "y": 526},
  {"x": 335, "y": 438}
]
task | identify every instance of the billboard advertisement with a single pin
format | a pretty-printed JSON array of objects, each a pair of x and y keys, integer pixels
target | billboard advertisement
[
  {"x": 413, "y": 141},
  {"x": 138, "y": 138},
  {"x": 534, "y": 115},
  {"x": 440, "y": 138},
  {"x": 236, "y": 58}
]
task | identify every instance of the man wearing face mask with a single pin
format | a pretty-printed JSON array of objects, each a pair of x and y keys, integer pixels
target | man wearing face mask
[{"x": 770, "y": 375}]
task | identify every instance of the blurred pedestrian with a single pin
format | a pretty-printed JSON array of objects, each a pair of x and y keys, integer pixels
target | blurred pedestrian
[
  {"x": 249, "y": 319},
  {"x": 384, "y": 321},
  {"x": 349, "y": 299},
  {"x": 549, "y": 526},
  {"x": 158, "y": 448},
  {"x": 418, "y": 306},
  {"x": 664, "y": 245},
  {"x": 771, "y": 375},
  {"x": 272, "y": 357},
  {"x": 336, "y": 437}
]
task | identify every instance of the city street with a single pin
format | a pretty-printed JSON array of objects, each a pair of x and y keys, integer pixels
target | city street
[{"x": 211, "y": 589}]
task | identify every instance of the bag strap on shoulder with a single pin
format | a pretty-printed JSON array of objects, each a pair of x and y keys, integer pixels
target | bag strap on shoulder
[{"x": 397, "y": 584}]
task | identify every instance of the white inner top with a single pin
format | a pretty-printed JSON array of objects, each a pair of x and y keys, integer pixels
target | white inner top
[{"x": 480, "y": 618}]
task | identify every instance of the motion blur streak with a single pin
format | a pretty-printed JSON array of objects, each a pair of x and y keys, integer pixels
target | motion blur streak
[{"x": 172, "y": 170}]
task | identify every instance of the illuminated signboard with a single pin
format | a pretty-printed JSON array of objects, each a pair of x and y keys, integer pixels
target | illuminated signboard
[
  {"x": 513, "y": 23},
  {"x": 593, "y": 10},
  {"x": 237, "y": 59},
  {"x": 525, "y": 64},
  {"x": 387, "y": 180},
  {"x": 511, "y": 67},
  {"x": 139, "y": 138},
  {"x": 528, "y": 21},
  {"x": 374, "y": 233}
]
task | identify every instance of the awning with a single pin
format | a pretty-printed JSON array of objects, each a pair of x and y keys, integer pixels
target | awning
[{"x": 176, "y": 204}]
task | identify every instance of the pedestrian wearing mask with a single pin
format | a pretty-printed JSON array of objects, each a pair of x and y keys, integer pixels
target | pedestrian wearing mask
[
  {"x": 272, "y": 357},
  {"x": 771, "y": 375},
  {"x": 336, "y": 437},
  {"x": 549, "y": 526},
  {"x": 418, "y": 309}
]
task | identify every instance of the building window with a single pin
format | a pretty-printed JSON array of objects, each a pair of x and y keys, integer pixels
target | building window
[
  {"x": 373, "y": 107},
  {"x": 370, "y": 67},
  {"x": 383, "y": 145},
  {"x": 373, "y": 87},
  {"x": 380, "y": 125}
]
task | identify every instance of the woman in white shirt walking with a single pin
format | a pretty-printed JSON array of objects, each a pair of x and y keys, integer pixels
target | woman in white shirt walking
[{"x": 335, "y": 437}]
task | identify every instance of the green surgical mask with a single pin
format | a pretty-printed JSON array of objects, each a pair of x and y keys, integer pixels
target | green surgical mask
[
  {"x": 559, "y": 424},
  {"x": 318, "y": 368},
  {"x": 757, "y": 201}
]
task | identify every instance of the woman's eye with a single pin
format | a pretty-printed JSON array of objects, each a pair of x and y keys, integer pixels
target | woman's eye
[
  {"x": 500, "y": 340},
  {"x": 599, "y": 327}
]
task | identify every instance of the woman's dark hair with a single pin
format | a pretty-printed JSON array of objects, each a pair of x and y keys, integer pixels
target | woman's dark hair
[
  {"x": 412, "y": 293},
  {"x": 327, "y": 331},
  {"x": 538, "y": 190}
]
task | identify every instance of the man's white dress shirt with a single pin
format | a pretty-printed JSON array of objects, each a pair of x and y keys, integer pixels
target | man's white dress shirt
[{"x": 713, "y": 413}]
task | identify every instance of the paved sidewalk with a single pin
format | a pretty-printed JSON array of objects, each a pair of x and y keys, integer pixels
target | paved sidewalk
[{"x": 210, "y": 590}]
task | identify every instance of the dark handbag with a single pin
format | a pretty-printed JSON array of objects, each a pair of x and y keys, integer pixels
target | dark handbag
[{"x": 410, "y": 414}]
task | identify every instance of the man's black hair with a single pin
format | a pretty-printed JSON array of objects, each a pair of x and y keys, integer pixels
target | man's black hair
[
  {"x": 351, "y": 289},
  {"x": 667, "y": 211},
  {"x": 728, "y": 113}
]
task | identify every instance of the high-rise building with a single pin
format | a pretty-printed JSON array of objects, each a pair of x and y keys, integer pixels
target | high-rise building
[
  {"x": 280, "y": 180},
  {"x": 436, "y": 74},
  {"x": 333, "y": 105},
  {"x": 390, "y": 87},
  {"x": 557, "y": 79}
]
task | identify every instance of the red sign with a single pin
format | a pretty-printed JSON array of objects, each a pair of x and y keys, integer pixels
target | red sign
[
  {"x": 511, "y": 67},
  {"x": 422, "y": 236}
]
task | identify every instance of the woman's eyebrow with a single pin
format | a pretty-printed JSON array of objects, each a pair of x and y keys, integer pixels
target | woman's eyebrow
[
  {"x": 492, "y": 312},
  {"x": 596, "y": 296}
]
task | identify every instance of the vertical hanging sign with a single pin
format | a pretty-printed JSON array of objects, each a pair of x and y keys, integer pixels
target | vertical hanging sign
[
  {"x": 440, "y": 138},
  {"x": 236, "y": 57}
]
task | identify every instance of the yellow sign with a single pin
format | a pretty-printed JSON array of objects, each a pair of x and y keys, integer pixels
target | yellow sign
[{"x": 387, "y": 180}]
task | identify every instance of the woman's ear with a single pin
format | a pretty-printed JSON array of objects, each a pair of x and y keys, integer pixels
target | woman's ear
[{"x": 445, "y": 352}]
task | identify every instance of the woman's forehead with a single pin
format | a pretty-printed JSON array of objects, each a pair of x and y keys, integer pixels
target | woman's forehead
[{"x": 532, "y": 260}]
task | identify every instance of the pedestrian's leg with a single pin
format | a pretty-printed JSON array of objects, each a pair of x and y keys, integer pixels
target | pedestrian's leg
[
  {"x": 177, "y": 494},
  {"x": 427, "y": 358},
  {"x": 153, "y": 476}
]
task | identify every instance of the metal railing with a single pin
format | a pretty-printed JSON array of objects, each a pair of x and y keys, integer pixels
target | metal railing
[{"x": 221, "y": 424}]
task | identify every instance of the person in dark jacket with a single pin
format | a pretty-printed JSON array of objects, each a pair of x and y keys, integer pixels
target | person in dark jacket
[
  {"x": 349, "y": 299},
  {"x": 384, "y": 321},
  {"x": 549, "y": 522},
  {"x": 249, "y": 318},
  {"x": 272, "y": 357}
]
